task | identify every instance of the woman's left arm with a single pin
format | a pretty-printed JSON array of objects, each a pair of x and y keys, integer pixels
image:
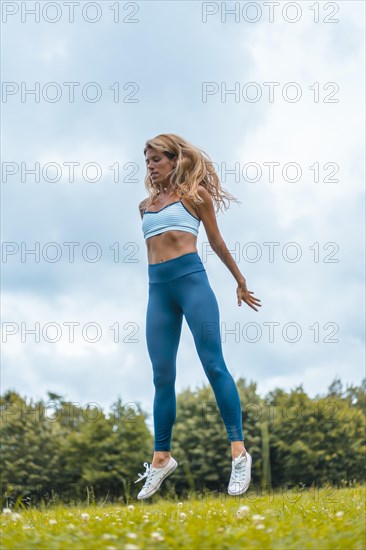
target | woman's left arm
[{"x": 206, "y": 212}]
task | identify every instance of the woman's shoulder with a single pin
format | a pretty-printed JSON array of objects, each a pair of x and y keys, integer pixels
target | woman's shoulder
[
  {"x": 143, "y": 203},
  {"x": 142, "y": 207},
  {"x": 203, "y": 193}
]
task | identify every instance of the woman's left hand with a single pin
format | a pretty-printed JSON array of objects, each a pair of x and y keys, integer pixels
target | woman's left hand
[{"x": 246, "y": 295}]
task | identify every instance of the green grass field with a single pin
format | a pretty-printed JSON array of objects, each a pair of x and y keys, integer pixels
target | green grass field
[{"x": 322, "y": 518}]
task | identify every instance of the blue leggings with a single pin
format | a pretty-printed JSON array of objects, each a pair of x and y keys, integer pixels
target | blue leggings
[{"x": 180, "y": 287}]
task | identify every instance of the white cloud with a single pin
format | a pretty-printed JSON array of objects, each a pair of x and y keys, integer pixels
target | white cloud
[{"x": 54, "y": 49}]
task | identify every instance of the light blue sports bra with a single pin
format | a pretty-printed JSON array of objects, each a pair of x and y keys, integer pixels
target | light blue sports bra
[{"x": 172, "y": 216}]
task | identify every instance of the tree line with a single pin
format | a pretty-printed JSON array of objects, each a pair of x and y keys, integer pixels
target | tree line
[{"x": 66, "y": 453}]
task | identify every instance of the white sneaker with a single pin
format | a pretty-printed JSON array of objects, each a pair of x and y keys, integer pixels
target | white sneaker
[
  {"x": 155, "y": 477},
  {"x": 240, "y": 474}
]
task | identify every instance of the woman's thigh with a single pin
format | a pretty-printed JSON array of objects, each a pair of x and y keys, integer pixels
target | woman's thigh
[
  {"x": 200, "y": 308},
  {"x": 163, "y": 327}
]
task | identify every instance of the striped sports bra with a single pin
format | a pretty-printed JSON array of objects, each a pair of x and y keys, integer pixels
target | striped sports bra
[{"x": 172, "y": 216}]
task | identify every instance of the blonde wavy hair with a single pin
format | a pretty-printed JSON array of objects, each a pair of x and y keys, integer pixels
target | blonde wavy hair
[{"x": 193, "y": 168}]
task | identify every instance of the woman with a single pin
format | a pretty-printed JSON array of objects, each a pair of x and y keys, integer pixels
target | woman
[{"x": 183, "y": 187}]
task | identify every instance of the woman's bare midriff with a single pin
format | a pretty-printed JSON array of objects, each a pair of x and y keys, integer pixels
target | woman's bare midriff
[{"x": 169, "y": 245}]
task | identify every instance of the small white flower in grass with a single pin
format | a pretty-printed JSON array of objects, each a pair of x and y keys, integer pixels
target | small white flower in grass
[
  {"x": 71, "y": 526},
  {"x": 131, "y": 547},
  {"x": 257, "y": 517},
  {"x": 242, "y": 512},
  {"x": 130, "y": 507},
  {"x": 157, "y": 536},
  {"x": 15, "y": 516},
  {"x": 339, "y": 514},
  {"x": 85, "y": 516},
  {"x": 7, "y": 511},
  {"x": 108, "y": 536},
  {"x": 131, "y": 535},
  {"x": 259, "y": 526},
  {"x": 269, "y": 530},
  {"x": 180, "y": 504},
  {"x": 98, "y": 518},
  {"x": 52, "y": 521},
  {"x": 182, "y": 516}
]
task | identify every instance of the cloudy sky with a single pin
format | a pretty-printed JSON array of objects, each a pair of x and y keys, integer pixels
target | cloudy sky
[{"x": 274, "y": 95}]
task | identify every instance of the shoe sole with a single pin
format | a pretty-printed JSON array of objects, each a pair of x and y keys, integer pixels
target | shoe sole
[
  {"x": 160, "y": 482},
  {"x": 246, "y": 488}
]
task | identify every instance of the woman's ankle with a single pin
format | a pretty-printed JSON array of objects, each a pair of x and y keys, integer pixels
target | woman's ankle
[
  {"x": 161, "y": 458},
  {"x": 236, "y": 448}
]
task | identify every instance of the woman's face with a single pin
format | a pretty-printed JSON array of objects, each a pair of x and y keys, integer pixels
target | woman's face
[{"x": 158, "y": 165}]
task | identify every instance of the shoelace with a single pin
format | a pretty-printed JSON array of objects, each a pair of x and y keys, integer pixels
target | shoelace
[
  {"x": 238, "y": 470},
  {"x": 147, "y": 473}
]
